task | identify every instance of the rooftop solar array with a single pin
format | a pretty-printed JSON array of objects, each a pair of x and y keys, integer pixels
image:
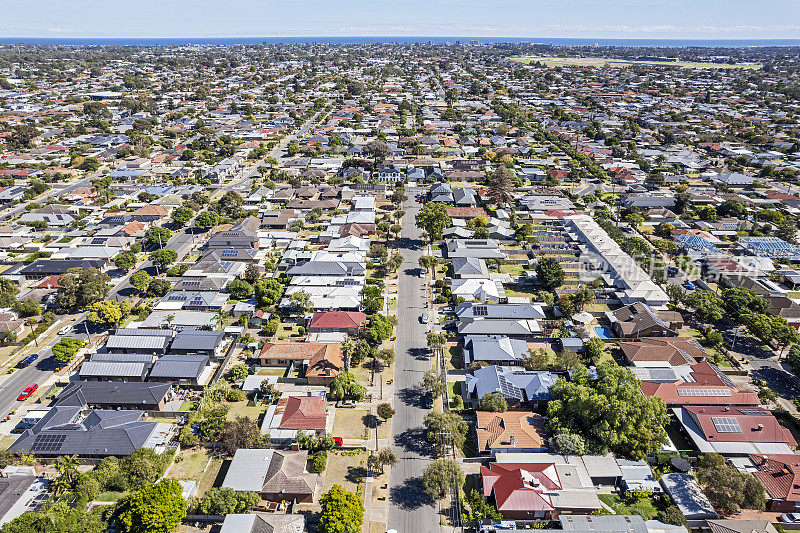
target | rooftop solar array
[
  {"x": 726, "y": 424},
  {"x": 704, "y": 392},
  {"x": 480, "y": 310},
  {"x": 230, "y": 253},
  {"x": 508, "y": 390},
  {"x": 752, "y": 411},
  {"x": 48, "y": 443}
]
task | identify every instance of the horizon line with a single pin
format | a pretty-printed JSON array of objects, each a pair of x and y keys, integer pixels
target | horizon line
[{"x": 409, "y": 36}]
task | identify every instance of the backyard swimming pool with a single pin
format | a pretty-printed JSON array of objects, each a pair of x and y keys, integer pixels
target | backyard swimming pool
[{"x": 604, "y": 332}]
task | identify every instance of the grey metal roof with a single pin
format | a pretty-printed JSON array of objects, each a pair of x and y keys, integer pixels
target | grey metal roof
[
  {"x": 494, "y": 348},
  {"x": 138, "y": 342},
  {"x": 146, "y": 358},
  {"x": 511, "y": 383},
  {"x": 144, "y": 332},
  {"x": 197, "y": 340},
  {"x": 179, "y": 366},
  {"x": 81, "y": 393},
  {"x": 113, "y": 369},
  {"x": 72, "y": 430},
  {"x": 248, "y": 469}
]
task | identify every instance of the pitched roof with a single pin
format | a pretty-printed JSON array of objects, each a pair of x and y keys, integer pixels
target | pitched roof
[
  {"x": 511, "y": 429},
  {"x": 675, "y": 351},
  {"x": 521, "y": 487},
  {"x": 325, "y": 358},
  {"x": 780, "y": 475},
  {"x": 707, "y": 386},
  {"x": 338, "y": 319},
  {"x": 302, "y": 412}
]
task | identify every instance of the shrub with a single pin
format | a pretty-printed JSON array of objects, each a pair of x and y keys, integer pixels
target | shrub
[{"x": 318, "y": 461}]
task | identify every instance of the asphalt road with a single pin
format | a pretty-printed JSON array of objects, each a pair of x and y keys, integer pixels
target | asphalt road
[{"x": 410, "y": 509}]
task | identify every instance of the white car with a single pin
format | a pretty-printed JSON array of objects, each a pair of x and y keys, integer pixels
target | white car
[
  {"x": 65, "y": 330},
  {"x": 790, "y": 518},
  {"x": 424, "y": 318}
]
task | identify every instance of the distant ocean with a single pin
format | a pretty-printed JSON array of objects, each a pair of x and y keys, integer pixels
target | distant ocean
[{"x": 130, "y": 41}]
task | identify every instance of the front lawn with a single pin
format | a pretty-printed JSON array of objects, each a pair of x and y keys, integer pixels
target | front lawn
[
  {"x": 346, "y": 468},
  {"x": 246, "y": 409},
  {"x": 349, "y": 423}
]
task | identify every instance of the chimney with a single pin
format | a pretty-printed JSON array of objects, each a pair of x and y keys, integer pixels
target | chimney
[
  {"x": 513, "y": 440},
  {"x": 760, "y": 427}
]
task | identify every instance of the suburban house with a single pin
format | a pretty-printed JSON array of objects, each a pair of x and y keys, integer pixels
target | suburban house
[
  {"x": 323, "y": 360},
  {"x": 349, "y": 322},
  {"x": 293, "y": 414},
  {"x": 87, "y": 433},
  {"x": 264, "y": 523},
  {"x": 640, "y": 320},
  {"x": 510, "y": 431},
  {"x": 516, "y": 386},
  {"x": 663, "y": 352},
  {"x": 537, "y": 486},
  {"x": 104, "y": 395},
  {"x": 469, "y": 267},
  {"x": 277, "y": 475},
  {"x": 704, "y": 384},
  {"x": 735, "y": 430},
  {"x": 494, "y": 349},
  {"x": 780, "y": 475}
]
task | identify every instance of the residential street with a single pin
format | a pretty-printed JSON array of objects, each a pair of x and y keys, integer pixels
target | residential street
[{"x": 410, "y": 509}]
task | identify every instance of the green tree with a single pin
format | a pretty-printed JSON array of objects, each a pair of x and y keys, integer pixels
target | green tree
[
  {"x": 550, "y": 273},
  {"x": 125, "y": 261},
  {"x": 611, "y": 412},
  {"x": 159, "y": 287},
  {"x": 207, "y": 219},
  {"x": 493, "y": 402},
  {"x": 66, "y": 348},
  {"x": 379, "y": 328},
  {"x": 567, "y": 444},
  {"x": 433, "y": 220},
  {"x": 242, "y": 432},
  {"x": 445, "y": 428},
  {"x": 105, "y": 312},
  {"x": 156, "y": 508},
  {"x": 440, "y": 477},
  {"x": 429, "y": 263},
  {"x": 140, "y": 280},
  {"x": 727, "y": 488},
  {"x": 706, "y": 305},
  {"x": 342, "y": 511},
  {"x": 182, "y": 215},
  {"x": 432, "y": 381},
  {"x": 163, "y": 258},
  {"x": 345, "y": 387},
  {"x": 385, "y": 410},
  {"x": 239, "y": 289},
  {"x": 82, "y": 287},
  {"x": 224, "y": 501},
  {"x": 238, "y": 372},
  {"x": 157, "y": 236},
  {"x": 301, "y": 302}
]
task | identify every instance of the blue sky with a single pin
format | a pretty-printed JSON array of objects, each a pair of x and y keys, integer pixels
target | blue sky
[{"x": 713, "y": 19}]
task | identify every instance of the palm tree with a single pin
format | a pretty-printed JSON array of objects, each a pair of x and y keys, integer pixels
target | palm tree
[
  {"x": 169, "y": 319},
  {"x": 219, "y": 318},
  {"x": 429, "y": 263}
]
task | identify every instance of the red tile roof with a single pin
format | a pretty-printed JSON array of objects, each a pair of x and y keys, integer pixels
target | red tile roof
[
  {"x": 760, "y": 426},
  {"x": 521, "y": 487},
  {"x": 338, "y": 319},
  {"x": 302, "y": 412},
  {"x": 465, "y": 212},
  {"x": 706, "y": 377},
  {"x": 780, "y": 475}
]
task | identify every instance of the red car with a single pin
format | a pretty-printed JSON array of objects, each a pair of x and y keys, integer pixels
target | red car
[
  {"x": 337, "y": 441},
  {"x": 30, "y": 389}
]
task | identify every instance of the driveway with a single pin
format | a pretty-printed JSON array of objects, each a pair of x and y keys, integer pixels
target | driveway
[{"x": 410, "y": 509}]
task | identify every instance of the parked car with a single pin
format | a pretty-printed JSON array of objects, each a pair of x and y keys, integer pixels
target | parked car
[
  {"x": 424, "y": 318},
  {"x": 337, "y": 441},
  {"x": 790, "y": 518},
  {"x": 672, "y": 271},
  {"x": 28, "y": 360},
  {"x": 65, "y": 330},
  {"x": 29, "y": 390},
  {"x": 689, "y": 285}
]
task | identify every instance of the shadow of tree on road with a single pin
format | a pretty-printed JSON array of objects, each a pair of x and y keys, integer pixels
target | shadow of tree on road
[
  {"x": 413, "y": 440},
  {"x": 410, "y": 495},
  {"x": 420, "y": 354},
  {"x": 413, "y": 396}
]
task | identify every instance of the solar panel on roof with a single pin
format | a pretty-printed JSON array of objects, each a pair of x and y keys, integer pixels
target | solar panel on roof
[
  {"x": 48, "y": 443},
  {"x": 752, "y": 411},
  {"x": 508, "y": 389},
  {"x": 98, "y": 240},
  {"x": 704, "y": 392},
  {"x": 229, "y": 253},
  {"x": 726, "y": 424}
]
